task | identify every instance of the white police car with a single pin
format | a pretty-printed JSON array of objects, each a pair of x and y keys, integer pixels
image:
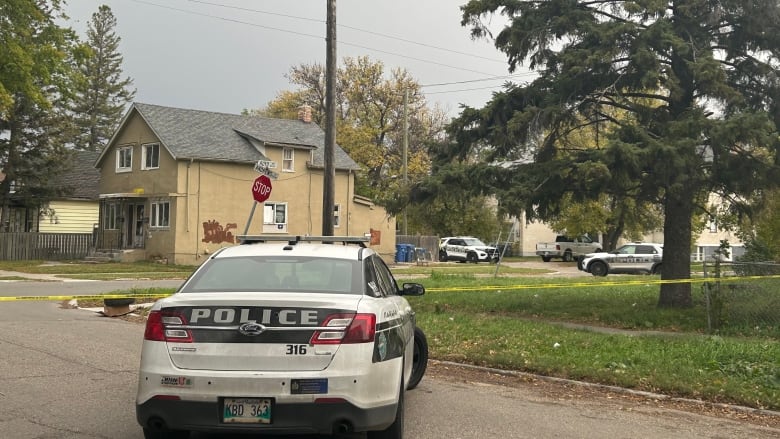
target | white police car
[
  {"x": 633, "y": 258},
  {"x": 282, "y": 335},
  {"x": 466, "y": 249}
]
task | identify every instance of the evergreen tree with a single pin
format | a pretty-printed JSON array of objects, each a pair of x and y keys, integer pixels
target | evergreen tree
[
  {"x": 102, "y": 94},
  {"x": 35, "y": 76},
  {"x": 696, "y": 78}
]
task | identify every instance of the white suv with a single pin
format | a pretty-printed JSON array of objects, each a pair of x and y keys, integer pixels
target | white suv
[
  {"x": 633, "y": 258},
  {"x": 282, "y": 335},
  {"x": 466, "y": 249}
]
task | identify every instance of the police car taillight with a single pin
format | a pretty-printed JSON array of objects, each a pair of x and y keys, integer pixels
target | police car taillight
[
  {"x": 347, "y": 328},
  {"x": 157, "y": 330}
]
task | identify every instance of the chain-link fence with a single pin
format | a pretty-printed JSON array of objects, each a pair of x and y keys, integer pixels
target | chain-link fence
[{"x": 742, "y": 298}]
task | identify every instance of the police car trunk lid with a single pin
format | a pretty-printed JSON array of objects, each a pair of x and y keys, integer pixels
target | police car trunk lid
[{"x": 252, "y": 331}]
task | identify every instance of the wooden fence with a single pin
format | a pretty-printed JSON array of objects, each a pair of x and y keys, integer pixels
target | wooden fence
[
  {"x": 429, "y": 243},
  {"x": 47, "y": 246}
]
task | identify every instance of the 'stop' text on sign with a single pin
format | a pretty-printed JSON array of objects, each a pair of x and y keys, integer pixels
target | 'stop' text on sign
[{"x": 261, "y": 188}]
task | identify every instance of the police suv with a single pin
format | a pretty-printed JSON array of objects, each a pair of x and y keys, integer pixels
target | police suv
[
  {"x": 633, "y": 258},
  {"x": 466, "y": 249},
  {"x": 282, "y": 335}
]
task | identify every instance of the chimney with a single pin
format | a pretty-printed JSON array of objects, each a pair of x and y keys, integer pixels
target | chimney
[{"x": 304, "y": 113}]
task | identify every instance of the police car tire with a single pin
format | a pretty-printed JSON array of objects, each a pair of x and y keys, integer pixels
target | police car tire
[
  {"x": 166, "y": 434},
  {"x": 598, "y": 268},
  {"x": 420, "y": 360},
  {"x": 472, "y": 257},
  {"x": 442, "y": 256},
  {"x": 396, "y": 429}
]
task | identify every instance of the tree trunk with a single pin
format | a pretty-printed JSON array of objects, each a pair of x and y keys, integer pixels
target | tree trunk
[{"x": 677, "y": 250}]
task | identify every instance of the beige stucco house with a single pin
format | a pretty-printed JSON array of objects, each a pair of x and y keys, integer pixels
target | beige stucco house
[{"x": 176, "y": 184}]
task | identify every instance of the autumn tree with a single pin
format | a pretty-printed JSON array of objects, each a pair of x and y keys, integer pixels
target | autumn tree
[
  {"x": 761, "y": 231},
  {"x": 370, "y": 119},
  {"x": 698, "y": 79},
  {"x": 36, "y": 74},
  {"x": 101, "y": 93}
]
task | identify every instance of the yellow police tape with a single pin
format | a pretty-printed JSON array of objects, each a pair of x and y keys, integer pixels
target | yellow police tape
[
  {"x": 83, "y": 297},
  {"x": 600, "y": 283},
  {"x": 442, "y": 289}
]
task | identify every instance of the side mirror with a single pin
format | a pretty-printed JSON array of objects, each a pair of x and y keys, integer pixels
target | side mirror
[{"x": 412, "y": 289}]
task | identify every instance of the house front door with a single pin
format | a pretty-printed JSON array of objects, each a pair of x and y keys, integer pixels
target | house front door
[{"x": 135, "y": 225}]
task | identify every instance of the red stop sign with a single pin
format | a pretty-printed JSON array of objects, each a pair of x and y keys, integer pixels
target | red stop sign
[{"x": 261, "y": 189}]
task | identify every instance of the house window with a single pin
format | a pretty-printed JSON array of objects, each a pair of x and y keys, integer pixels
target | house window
[
  {"x": 151, "y": 156},
  {"x": 124, "y": 159},
  {"x": 275, "y": 213},
  {"x": 336, "y": 215},
  {"x": 713, "y": 225},
  {"x": 161, "y": 214},
  {"x": 110, "y": 216},
  {"x": 288, "y": 163}
]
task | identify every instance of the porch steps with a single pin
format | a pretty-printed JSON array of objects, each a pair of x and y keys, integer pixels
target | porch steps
[{"x": 99, "y": 256}]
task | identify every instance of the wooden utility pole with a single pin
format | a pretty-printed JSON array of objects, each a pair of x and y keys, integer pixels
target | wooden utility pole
[
  {"x": 329, "y": 178},
  {"x": 405, "y": 154}
]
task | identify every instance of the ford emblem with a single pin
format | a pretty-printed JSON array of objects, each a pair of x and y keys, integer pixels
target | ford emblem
[{"x": 251, "y": 329}]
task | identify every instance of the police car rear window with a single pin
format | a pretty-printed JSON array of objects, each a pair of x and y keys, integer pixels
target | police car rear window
[{"x": 293, "y": 274}]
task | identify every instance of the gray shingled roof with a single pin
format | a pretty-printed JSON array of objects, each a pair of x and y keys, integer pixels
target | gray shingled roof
[
  {"x": 82, "y": 179},
  {"x": 205, "y": 135}
]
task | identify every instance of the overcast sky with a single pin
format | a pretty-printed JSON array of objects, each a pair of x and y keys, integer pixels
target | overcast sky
[{"x": 227, "y": 55}]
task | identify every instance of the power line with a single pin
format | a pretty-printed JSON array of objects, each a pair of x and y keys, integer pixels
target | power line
[
  {"x": 480, "y": 80},
  {"x": 307, "y": 35},
  {"x": 392, "y": 37},
  {"x": 463, "y": 89},
  {"x": 186, "y": 11}
]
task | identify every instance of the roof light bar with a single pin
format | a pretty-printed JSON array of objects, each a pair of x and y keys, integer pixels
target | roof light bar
[{"x": 294, "y": 239}]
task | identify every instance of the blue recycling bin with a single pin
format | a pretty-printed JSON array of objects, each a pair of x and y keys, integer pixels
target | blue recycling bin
[
  {"x": 400, "y": 253},
  {"x": 409, "y": 252}
]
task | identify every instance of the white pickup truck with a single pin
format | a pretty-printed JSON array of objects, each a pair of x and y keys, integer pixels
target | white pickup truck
[{"x": 566, "y": 248}]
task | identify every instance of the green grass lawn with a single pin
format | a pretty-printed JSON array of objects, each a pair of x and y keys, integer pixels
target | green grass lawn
[
  {"x": 625, "y": 340},
  {"x": 520, "y": 323}
]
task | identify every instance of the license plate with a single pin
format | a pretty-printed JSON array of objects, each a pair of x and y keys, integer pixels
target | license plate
[{"x": 246, "y": 410}]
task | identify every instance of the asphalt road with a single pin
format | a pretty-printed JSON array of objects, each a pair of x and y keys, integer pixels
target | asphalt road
[{"x": 69, "y": 373}]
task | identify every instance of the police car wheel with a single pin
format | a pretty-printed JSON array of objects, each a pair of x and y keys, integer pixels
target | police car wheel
[
  {"x": 396, "y": 429},
  {"x": 420, "y": 359},
  {"x": 598, "y": 268},
  {"x": 472, "y": 257},
  {"x": 442, "y": 256},
  {"x": 657, "y": 269}
]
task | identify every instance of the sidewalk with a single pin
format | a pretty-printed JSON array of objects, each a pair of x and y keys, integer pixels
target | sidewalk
[{"x": 32, "y": 276}]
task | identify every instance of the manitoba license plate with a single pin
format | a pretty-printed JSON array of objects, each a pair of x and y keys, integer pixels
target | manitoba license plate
[{"x": 246, "y": 410}]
